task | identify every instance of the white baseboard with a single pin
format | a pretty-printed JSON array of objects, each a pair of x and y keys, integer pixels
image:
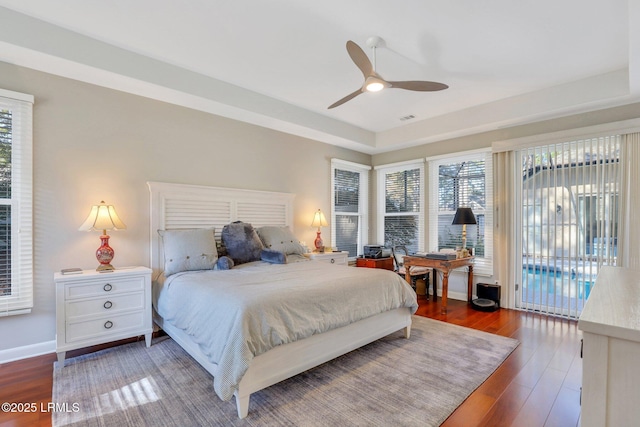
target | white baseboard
[
  {"x": 27, "y": 351},
  {"x": 462, "y": 296}
]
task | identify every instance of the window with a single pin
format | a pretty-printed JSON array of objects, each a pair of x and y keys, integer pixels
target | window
[
  {"x": 16, "y": 229},
  {"x": 462, "y": 181},
  {"x": 401, "y": 205},
  {"x": 349, "y": 205}
]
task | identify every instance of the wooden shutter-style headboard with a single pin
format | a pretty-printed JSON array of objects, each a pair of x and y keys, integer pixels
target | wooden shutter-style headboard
[{"x": 181, "y": 206}]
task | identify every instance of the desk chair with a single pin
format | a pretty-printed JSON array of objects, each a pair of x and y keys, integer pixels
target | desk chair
[{"x": 416, "y": 272}]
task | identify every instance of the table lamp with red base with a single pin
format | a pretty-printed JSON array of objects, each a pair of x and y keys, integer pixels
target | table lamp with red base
[
  {"x": 319, "y": 221},
  {"x": 103, "y": 217}
]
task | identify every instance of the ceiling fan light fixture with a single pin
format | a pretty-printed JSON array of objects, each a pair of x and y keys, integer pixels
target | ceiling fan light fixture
[
  {"x": 374, "y": 87},
  {"x": 374, "y": 84}
]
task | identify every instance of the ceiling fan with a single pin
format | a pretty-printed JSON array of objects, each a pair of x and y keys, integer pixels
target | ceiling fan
[{"x": 373, "y": 82}]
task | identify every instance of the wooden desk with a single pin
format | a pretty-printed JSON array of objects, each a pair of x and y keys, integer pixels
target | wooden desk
[{"x": 445, "y": 266}]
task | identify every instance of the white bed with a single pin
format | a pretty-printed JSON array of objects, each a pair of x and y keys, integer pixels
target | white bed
[{"x": 176, "y": 206}]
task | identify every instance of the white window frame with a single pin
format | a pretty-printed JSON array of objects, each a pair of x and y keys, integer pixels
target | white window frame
[
  {"x": 21, "y": 299},
  {"x": 363, "y": 201},
  {"x": 484, "y": 265},
  {"x": 382, "y": 171}
]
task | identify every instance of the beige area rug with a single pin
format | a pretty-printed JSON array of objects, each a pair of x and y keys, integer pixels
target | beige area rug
[{"x": 391, "y": 382}]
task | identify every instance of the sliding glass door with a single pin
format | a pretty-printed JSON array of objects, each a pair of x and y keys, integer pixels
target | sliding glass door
[{"x": 569, "y": 222}]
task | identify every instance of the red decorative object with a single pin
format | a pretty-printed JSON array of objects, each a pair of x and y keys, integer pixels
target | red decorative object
[
  {"x": 104, "y": 254},
  {"x": 319, "y": 244},
  {"x": 319, "y": 221}
]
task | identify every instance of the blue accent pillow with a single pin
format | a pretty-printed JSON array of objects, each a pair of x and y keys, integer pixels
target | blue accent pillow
[
  {"x": 242, "y": 242},
  {"x": 224, "y": 263},
  {"x": 273, "y": 256}
]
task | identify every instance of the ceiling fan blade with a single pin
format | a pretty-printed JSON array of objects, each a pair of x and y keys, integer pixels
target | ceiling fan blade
[
  {"x": 345, "y": 99},
  {"x": 359, "y": 58},
  {"x": 419, "y": 85}
]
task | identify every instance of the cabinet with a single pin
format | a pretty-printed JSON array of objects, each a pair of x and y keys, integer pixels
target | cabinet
[
  {"x": 385, "y": 263},
  {"x": 610, "y": 325},
  {"x": 339, "y": 258},
  {"x": 94, "y": 308}
]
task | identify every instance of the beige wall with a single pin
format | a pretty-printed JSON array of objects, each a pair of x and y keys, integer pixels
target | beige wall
[{"x": 92, "y": 144}]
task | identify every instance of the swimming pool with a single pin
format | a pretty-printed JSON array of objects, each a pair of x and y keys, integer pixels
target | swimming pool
[{"x": 556, "y": 290}]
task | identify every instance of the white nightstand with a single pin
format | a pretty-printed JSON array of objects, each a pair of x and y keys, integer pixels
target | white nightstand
[
  {"x": 94, "y": 308},
  {"x": 329, "y": 257}
]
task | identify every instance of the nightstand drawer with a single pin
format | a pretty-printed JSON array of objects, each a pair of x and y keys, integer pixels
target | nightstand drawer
[
  {"x": 332, "y": 260},
  {"x": 106, "y": 325},
  {"x": 104, "y": 287},
  {"x": 104, "y": 305},
  {"x": 338, "y": 258}
]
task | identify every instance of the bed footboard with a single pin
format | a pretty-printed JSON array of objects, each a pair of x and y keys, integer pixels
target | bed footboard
[{"x": 287, "y": 360}]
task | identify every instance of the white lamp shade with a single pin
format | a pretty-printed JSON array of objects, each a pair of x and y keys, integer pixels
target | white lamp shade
[
  {"x": 319, "y": 220},
  {"x": 102, "y": 217}
]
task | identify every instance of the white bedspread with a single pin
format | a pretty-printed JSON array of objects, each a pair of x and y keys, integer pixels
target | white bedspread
[{"x": 237, "y": 314}]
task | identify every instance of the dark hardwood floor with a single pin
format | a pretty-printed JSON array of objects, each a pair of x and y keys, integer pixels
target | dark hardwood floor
[{"x": 538, "y": 384}]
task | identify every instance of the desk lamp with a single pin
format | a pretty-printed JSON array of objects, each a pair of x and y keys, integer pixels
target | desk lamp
[{"x": 463, "y": 217}]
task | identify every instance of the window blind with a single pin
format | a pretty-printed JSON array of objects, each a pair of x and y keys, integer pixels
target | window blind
[
  {"x": 16, "y": 206},
  {"x": 349, "y": 206},
  {"x": 401, "y": 205},
  {"x": 569, "y": 221}
]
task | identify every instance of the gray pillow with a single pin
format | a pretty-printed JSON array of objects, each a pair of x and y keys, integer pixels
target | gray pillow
[
  {"x": 242, "y": 242},
  {"x": 188, "y": 250},
  {"x": 280, "y": 239}
]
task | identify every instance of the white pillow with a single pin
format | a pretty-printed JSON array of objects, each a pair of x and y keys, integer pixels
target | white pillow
[
  {"x": 188, "y": 250},
  {"x": 280, "y": 239}
]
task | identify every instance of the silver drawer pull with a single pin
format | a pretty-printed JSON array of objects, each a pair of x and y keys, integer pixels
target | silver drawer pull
[
  {"x": 108, "y": 324},
  {"x": 107, "y": 287},
  {"x": 108, "y": 304},
  {"x": 333, "y": 260}
]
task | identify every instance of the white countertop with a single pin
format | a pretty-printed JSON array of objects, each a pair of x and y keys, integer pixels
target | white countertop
[{"x": 613, "y": 307}]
